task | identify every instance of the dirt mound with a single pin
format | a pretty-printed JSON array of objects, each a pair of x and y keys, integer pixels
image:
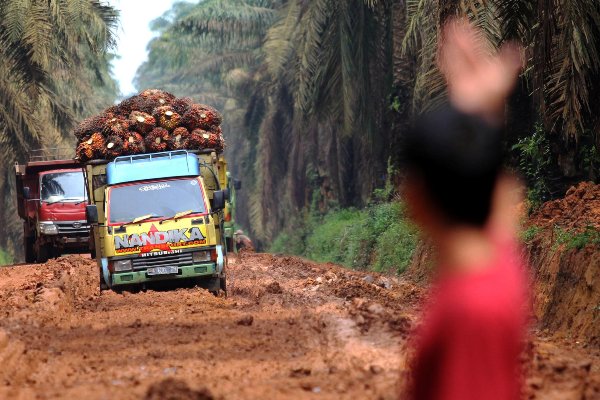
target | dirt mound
[
  {"x": 564, "y": 255},
  {"x": 580, "y": 208},
  {"x": 556, "y": 373},
  {"x": 174, "y": 389}
]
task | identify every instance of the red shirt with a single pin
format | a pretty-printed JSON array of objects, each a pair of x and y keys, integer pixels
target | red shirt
[{"x": 473, "y": 333}]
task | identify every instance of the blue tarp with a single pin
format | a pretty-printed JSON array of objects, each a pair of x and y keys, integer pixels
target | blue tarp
[{"x": 143, "y": 167}]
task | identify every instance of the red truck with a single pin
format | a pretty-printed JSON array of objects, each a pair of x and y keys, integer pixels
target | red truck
[{"x": 51, "y": 200}]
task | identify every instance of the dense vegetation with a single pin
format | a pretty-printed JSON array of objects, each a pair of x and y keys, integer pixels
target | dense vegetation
[
  {"x": 318, "y": 94},
  {"x": 55, "y": 69}
]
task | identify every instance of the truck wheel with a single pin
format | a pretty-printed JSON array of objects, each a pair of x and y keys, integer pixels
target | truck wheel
[
  {"x": 43, "y": 254},
  {"x": 229, "y": 242},
  {"x": 29, "y": 250},
  {"x": 223, "y": 285},
  {"x": 103, "y": 285}
]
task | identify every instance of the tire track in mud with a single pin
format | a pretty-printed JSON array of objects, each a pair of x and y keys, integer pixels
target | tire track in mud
[{"x": 289, "y": 329}]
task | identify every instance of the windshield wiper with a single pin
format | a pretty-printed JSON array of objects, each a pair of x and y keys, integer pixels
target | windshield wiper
[
  {"x": 140, "y": 219},
  {"x": 180, "y": 214},
  {"x": 79, "y": 200}
]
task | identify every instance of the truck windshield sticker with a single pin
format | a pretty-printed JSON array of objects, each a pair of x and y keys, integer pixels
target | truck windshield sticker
[
  {"x": 156, "y": 186},
  {"x": 155, "y": 240}
]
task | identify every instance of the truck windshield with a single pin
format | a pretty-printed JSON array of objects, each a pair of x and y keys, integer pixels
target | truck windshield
[
  {"x": 158, "y": 199},
  {"x": 63, "y": 187}
]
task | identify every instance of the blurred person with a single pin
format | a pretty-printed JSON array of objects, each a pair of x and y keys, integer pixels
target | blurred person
[{"x": 474, "y": 323}]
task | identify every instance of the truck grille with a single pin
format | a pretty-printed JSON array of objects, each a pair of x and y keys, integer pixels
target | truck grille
[
  {"x": 179, "y": 260},
  {"x": 73, "y": 228}
]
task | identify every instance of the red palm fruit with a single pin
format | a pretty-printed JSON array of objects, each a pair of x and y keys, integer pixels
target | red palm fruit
[
  {"x": 141, "y": 122},
  {"x": 216, "y": 129},
  {"x": 154, "y": 98},
  {"x": 158, "y": 94},
  {"x": 201, "y": 116},
  {"x": 128, "y": 105},
  {"x": 157, "y": 140},
  {"x": 200, "y": 139},
  {"x": 216, "y": 142},
  {"x": 182, "y": 105},
  {"x": 84, "y": 152},
  {"x": 133, "y": 143},
  {"x": 91, "y": 125},
  {"x": 179, "y": 139},
  {"x": 167, "y": 118},
  {"x": 98, "y": 142},
  {"x": 115, "y": 126},
  {"x": 114, "y": 146}
]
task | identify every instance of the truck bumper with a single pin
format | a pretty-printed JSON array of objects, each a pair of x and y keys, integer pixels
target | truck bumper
[{"x": 187, "y": 272}]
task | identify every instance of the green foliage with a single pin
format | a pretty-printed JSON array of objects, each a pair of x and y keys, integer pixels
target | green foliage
[
  {"x": 576, "y": 240},
  {"x": 528, "y": 235},
  {"x": 590, "y": 158},
  {"x": 534, "y": 162},
  {"x": 5, "y": 258},
  {"x": 386, "y": 193},
  {"x": 378, "y": 237},
  {"x": 54, "y": 70}
]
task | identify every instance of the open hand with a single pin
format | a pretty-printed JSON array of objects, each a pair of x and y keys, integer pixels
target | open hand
[{"x": 479, "y": 79}]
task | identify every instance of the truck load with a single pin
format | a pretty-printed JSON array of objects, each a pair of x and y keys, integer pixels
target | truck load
[
  {"x": 51, "y": 201},
  {"x": 152, "y": 121},
  {"x": 156, "y": 215}
]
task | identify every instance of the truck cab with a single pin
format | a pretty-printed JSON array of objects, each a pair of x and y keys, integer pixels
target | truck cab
[
  {"x": 158, "y": 217},
  {"x": 51, "y": 199}
]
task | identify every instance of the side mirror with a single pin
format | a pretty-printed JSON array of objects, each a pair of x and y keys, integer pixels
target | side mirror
[
  {"x": 218, "y": 202},
  {"x": 91, "y": 214},
  {"x": 227, "y": 194},
  {"x": 27, "y": 192},
  {"x": 237, "y": 184}
]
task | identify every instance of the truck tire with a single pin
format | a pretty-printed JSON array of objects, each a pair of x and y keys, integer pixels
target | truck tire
[
  {"x": 229, "y": 242},
  {"x": 29, "y": 250},
  {"x": 223, "y": 285},
  {"x": 43, "y": 254},
  {"x": 103, "y": 285}
]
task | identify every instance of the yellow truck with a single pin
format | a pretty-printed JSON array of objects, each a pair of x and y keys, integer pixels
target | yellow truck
[{"x": 159, "y": 217}]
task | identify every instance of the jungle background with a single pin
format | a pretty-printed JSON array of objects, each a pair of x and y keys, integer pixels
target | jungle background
[{"x": 316, "y": 97}]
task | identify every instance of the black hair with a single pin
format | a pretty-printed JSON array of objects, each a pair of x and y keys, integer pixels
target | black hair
[{"x": 458, "y": 157}]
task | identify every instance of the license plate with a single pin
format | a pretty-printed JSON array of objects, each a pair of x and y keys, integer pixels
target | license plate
[{"x": 162, "y": 271}]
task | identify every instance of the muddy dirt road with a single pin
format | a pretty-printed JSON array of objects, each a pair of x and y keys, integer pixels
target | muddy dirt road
[{"x": 289, "y": 329}]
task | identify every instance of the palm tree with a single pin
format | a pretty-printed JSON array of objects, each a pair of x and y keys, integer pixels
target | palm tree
[
  {"x": 54, "y": 57},
  {"x": 562, "y": 47}
]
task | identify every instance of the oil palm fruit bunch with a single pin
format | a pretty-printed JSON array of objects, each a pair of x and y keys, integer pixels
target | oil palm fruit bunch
[
  {"x": 142, "y": 122},
  {"x": 97, "y": 142},
  {"x": 133, "y": 143},
  {"x": 128, "y": 105},
  {"x": 157, "y": 139},
  {"x": 167, "y": 118},
  {"x": 84, "y": 151},
  {"x": 114, "y": 146},
  {"x": 115, "y": 126},
  {"x": 153, "y": 98},
  {"x": 91, "y": 125},
  {"x": 199, "y": 139},
  {"x": 157, "y": 94},
  {"x": 179, "y": 139},
  {"x": 201, "y": 116},
  {"x": 216, "y": 142},
  {"x": 182, "y": 105}
]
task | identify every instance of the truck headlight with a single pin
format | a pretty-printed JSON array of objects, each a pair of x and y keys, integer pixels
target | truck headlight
[
  {"x": 48, "y": 228},
  {"x": 122, "y": 265},
  {"x": 201, "y": 256}
]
